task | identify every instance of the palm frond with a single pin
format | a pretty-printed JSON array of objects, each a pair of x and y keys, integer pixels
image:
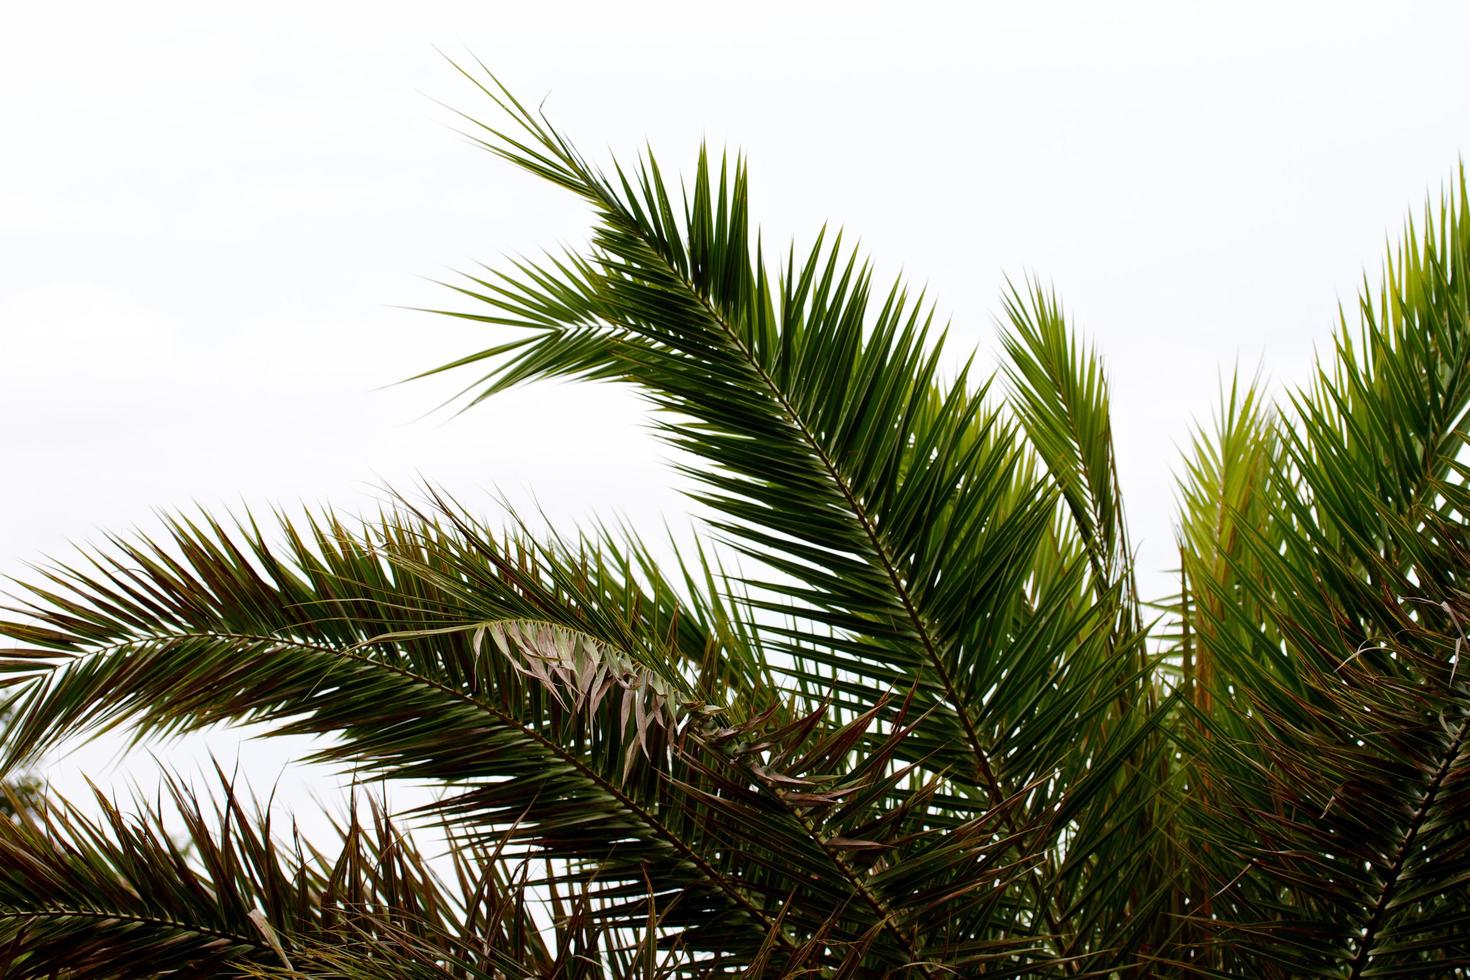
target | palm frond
[
  {"x": 439, "y": 653},
  {"x": 1353, "y": 862},
  {"x": 898, "y": 513},
  {"x": 119, "y": 895},
  {"x": 1061, "y": 396},
  {"x": 430, "y": 656},
  {"x": 1323, "y": 708}
]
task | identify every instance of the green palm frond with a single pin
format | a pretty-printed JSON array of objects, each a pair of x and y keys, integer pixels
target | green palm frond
[
  {"x": 809, "y": 409},
  {"x": 119, "y": 895},
  {"x": 1319, "y": 547},
  {"x": 897, "y": 512},
  {"x": 1222, "y": 634},
  {"x": 1353, "y": 861},
  {"x": 1331, "y": 512},
  {"x": 428, "y": 655},
  {"x": 1384, "y": 425},
  {"x": 1061, "y": 397},
  {"x": 435, "y": 654},
  {"x": 78, "y": 894}
]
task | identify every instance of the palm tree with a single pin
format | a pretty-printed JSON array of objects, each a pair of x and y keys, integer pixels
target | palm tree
[{"x": 902, "y": 713}]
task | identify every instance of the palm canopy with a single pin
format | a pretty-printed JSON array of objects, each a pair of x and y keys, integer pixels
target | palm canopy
[{"x": 925, "y": 729}]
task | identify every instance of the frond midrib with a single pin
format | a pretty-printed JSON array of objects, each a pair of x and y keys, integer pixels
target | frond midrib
[
  {"x": 1376, "y": 919},
  {"x": 644, "y": 816},
  {"x": 922, "y": 630},
  {"x": 52, "y": 910}
]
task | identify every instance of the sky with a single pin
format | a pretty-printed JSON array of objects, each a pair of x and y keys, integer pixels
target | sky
[{"x": 211, "y": 224}]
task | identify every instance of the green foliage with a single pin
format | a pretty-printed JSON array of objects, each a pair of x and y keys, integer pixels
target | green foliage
[
  {"x": 1325, "y": 550},
  {"x": 926, "y": 729},
  {"x": 20, "y": 791}
]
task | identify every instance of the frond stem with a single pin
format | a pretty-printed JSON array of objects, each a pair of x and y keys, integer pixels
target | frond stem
[
  {"x": 922, "y": 630},
  {"x": 510, "y": 721},
  {"x": 61, "y": 912},
  {"x": 1406, "y": 847}
]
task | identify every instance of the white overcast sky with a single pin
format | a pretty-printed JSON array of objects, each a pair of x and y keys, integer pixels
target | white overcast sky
[{"x": 207, "y": 219}]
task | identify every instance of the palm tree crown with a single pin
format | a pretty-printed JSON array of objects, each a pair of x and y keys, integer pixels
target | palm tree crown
[{"x": 904, "y": 713}]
